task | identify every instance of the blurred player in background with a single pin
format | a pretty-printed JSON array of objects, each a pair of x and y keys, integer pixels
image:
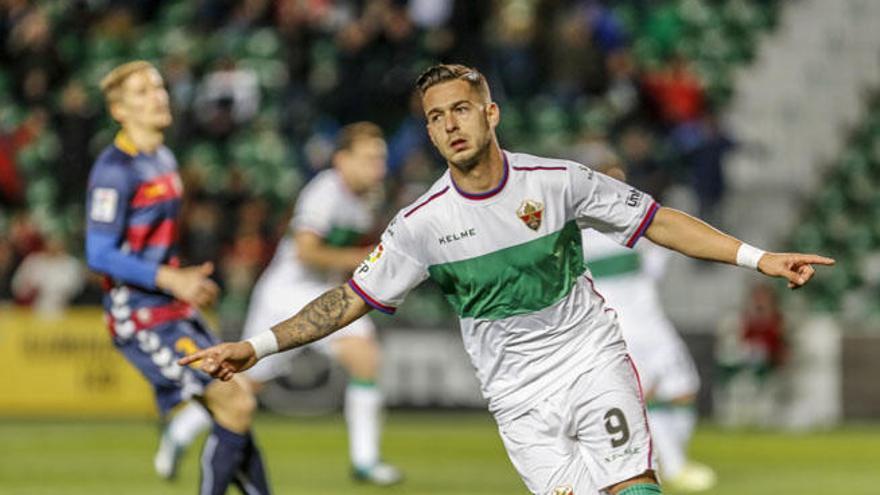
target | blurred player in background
[
  {"x": 500, "y": 233},
  {"x": 627, "y": 279},
  {"x": 751, "y": 352},
  {"x": 134, "y": 197},
  {"x": 328, "y": 238}
]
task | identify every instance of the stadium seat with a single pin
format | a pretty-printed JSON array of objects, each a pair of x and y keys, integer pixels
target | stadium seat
[
  {"x": 551, "y": 122},
  {"x": 272, "y": 74},
  {"x": 513, "y": 123},
  {"x": 808, "y": 238},
  {"x": 591, "y": 118},
  {"x": 11, "y": 114},
  {"x": 41, "y": 192},
  {"x": 178, "y": 13},
  {"x": 263, "y": 43}
]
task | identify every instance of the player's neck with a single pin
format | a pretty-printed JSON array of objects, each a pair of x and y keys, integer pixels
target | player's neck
[
  {"x": 484, "y": 176},
  {"x": 145, "y": 140}
]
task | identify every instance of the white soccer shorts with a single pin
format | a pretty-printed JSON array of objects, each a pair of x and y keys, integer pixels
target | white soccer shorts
[
  {"x": 592, "y": 435},
  {"x": 667, "y": 369}
]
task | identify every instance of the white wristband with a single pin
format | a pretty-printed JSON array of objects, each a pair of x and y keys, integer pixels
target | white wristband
[
  {"x": 264, "y": 344},
  {"x": 748, "y": 256}
]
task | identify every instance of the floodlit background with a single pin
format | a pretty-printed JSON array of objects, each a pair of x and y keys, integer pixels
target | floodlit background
[{"x": 761, "y": 116}]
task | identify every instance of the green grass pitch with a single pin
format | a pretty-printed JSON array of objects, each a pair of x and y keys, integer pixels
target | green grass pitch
[{"x": 454, "y": 453}]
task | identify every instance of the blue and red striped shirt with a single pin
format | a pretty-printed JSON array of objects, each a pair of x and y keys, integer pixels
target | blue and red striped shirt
[{"x": 132, "y": 209}]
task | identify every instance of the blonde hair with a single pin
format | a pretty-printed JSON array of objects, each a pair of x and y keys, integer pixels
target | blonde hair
[
  {"x": 442, "y": 73},
  {"x": 111, "y": 84},
  {"x": 353, "y": 133}
]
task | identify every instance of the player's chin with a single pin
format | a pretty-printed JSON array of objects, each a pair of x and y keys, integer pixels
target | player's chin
[
  {"x": 463, "y": 159},
  {"x": 163, "y": 122}
]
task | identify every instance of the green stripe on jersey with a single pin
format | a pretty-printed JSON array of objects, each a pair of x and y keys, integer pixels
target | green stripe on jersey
[
  {"x": 618, "y": 264},
  {"x": 641, "y": 489},
  {"x": 517, "y": 280},
  {"x": 343, "y": 237}
]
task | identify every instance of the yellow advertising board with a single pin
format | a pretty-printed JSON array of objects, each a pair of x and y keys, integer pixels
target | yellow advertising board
[{"x": 67, "y": 367}]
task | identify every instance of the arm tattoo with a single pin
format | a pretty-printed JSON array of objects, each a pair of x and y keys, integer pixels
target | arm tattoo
[{"x": 319, "y": 318}]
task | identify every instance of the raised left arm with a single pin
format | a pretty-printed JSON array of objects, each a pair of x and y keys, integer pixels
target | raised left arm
[{"x": 690, "y": 236}]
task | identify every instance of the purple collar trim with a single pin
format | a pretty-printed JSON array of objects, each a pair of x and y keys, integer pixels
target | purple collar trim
[{"x": 488, "y": 194}]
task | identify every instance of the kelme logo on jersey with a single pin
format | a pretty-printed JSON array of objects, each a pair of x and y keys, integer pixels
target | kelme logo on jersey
[
  {"x": 457, "y": 236},
  {"x": 531, "y": 212}
]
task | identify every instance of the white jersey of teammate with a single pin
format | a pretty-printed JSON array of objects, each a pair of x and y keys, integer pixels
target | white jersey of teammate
[
  {"x": 510, "y": 261},
  {"x": 627, "y": 278},
  {"x": 329, "y": 209}
]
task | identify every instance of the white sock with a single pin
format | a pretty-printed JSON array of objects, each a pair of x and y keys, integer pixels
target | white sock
[
  {"x": 684, "y": 420},
  {"x": 671, "y": 452},
  {"x": 363, "y": 411},
  {"x": 188, "y": 423}
]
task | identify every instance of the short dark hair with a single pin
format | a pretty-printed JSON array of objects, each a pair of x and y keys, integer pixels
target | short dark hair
[
  {"x": 352, "y": 133},
  {"x": 442, "y": 73}
]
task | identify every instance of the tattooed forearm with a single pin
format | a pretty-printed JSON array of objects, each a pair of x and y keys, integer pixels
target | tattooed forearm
[{"x": 331, "y": 311}]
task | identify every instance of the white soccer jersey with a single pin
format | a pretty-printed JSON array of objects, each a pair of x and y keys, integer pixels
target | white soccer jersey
[
  {"x": 627, "y": 278},
  {"x": 328, "y": 208},
  {"x": 510, "y": 262}
]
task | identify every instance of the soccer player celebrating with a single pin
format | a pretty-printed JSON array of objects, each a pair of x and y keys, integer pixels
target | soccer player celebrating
[
  {"x": 332, "y": 220},
  {"x": 627, "y": 279},
  {"x": 134, "y": 197},
  {"x": 500, "y": 233}
]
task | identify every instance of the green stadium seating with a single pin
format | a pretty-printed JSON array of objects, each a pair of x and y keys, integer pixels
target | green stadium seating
[
  {"x": 178, "y": 13},
  {"x": 844, "y": 220},
  {"x": 513, "y": 127},
  {"x": 714, "y": 34},
  {"x": 263, "y": 43}
]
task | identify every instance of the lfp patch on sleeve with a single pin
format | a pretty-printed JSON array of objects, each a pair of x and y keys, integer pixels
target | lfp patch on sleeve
[{"x": 104, "y": 204}]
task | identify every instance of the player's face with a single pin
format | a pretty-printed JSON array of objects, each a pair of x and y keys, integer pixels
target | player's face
[
  {"x": 460, "y": 123},
  {"x": 144, "y": 101},
  {"x": 364, "y": 164}
]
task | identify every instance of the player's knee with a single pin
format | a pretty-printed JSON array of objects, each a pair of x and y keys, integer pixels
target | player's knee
[
  {"x": 232, "y": 403},
  {"x": 243, "y": 405}
]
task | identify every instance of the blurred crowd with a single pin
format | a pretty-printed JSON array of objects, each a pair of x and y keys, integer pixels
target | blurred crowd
[{"x": 259, "y": 88}]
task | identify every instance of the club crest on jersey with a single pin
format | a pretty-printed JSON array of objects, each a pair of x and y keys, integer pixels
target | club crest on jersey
[
  {"x": 531, "y": 212},
  {"x": 563, "y": 490}
]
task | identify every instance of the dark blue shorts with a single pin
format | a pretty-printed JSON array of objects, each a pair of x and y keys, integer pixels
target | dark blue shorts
[{"x": 155, "y": 353}]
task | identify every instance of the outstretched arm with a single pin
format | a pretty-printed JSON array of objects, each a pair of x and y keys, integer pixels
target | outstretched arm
[
  {"x": 331, "y": 311},
  {"x": 681, "y": 232}
]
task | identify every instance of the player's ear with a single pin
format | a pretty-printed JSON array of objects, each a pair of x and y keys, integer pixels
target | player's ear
[
  {"x": 493, "y": 114},
  {"x": 337, "y": 160},
  {"x": 116, "y": 111}
]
